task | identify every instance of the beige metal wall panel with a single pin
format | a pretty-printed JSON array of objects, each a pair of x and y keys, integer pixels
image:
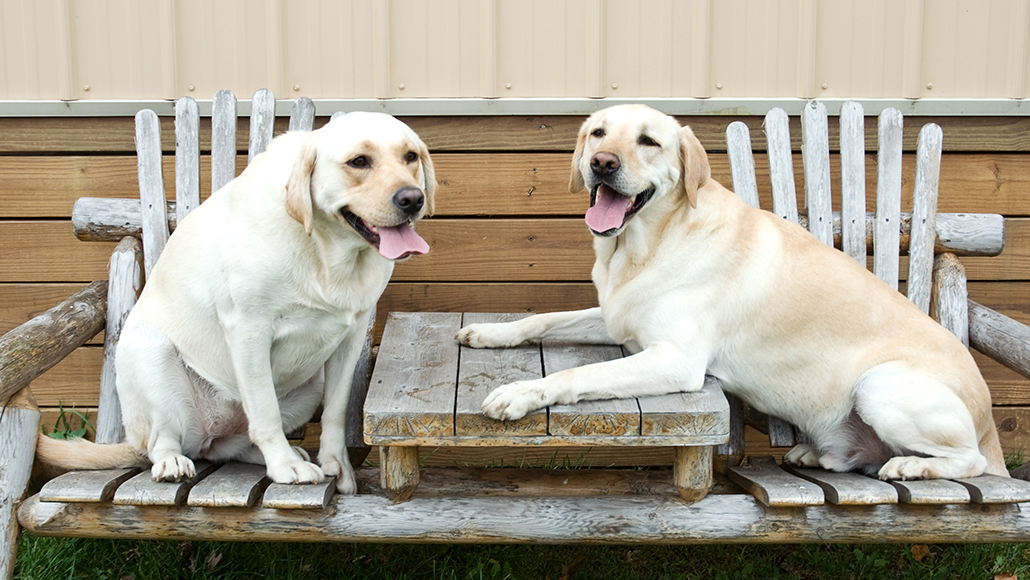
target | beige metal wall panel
[
  {"x": 859, "y": 49},
  {"x": 434, "y": 48},
  {"x": 327, "y": 49},
  {"x": 116, "y": 49},
  {"x": 754, "y": 48},
  {"x": 29, "y": 42}
]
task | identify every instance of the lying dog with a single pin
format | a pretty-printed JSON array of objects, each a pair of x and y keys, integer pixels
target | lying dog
[
  {"x": 693, "y": 281},
  {"x": 265, "y": 284}
]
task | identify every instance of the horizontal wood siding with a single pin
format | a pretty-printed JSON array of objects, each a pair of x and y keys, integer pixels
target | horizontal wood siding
[{"x": 507, "y": 236}]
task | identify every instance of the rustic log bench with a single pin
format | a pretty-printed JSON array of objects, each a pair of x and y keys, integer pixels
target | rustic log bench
[{"x": 751, "y": 498}]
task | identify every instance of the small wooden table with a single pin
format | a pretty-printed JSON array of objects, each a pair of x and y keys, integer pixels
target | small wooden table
[{"x": 426, "y": 390}]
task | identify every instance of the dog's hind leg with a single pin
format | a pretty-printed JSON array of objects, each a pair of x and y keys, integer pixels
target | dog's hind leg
[{"x": 924, "y": 421}]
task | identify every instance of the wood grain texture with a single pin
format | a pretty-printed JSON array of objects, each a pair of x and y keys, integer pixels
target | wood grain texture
[
  {"x": 285, "y": 496},
  {"x": 990, "y": 489},
  {"x": 701, "y": 417},
  {"x": 692, "y": 472},
  {"x": 481, "y": 370},
  {"x": 125, "y": 284},
  {"x": 924, "y": 217},
  {"x": 1000, "y": 337},
  {"x": 399, "y": 471},
  {"x": 262, "y": 120},
  {"x": 141, "y": 489},
  {"x": 19, "y": 427},
  {"x": 848, "y": 488},
  {"x": 187, "y": 157},
  {"x": 888, "y": 196},
  {"x": 231, "y": 485},
  {"x": 302, "y": 115},
  {"x": 774, "y": 487},
  {"x": 948, "y": 296},
  {"x": 781, "y": 165},
  {"x": 86, "y": 486},
  {"x": 742, "y": 163},
  {"x": 412, "y": 389},
  {"x": 616, "y": 417},
  {"x": 153, "y": 214},
  {"x": 37, "y": 345},
  {"x": 852, "y": 183},
  {"x": 931, "y": 492},
  {"x": 592, "y": 520},
  {"x": 816, "y": 158},
  {"x": 223, "y": 139}
]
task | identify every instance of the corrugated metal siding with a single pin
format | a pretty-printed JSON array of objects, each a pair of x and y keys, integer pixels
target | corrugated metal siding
[{"x": 343, "y": 49}]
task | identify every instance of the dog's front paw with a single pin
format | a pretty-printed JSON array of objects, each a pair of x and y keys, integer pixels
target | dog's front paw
[
  {"x": 344, "y": 473},
  {"x": 173, "y": 468},
  {"x": 906, "y": 468},
  {"x": 296, "y": 472},
  {"x": 515, "y": 400},
  {"x": 488, "y": 335}
]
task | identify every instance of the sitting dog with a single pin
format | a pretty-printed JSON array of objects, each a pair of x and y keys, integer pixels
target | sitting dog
[
  {"x": 693, "y": 281},
  {"x": 264, "y": 285}
]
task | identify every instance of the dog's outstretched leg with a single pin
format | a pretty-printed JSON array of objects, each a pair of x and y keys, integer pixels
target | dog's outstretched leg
[{"x": 584, "y": 326}]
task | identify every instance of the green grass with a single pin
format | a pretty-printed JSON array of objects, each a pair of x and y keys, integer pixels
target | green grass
[{"x": 49, "y": 558}]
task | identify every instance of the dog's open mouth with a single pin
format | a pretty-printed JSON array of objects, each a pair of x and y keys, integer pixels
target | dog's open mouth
[
  {"x": 392, "y": 242},
  {"x": 611, "y": 209}
]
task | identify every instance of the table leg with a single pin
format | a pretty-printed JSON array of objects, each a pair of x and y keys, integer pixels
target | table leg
[
  {"x": 398, "y": 471},
  {"x": 692, "y": 472}
]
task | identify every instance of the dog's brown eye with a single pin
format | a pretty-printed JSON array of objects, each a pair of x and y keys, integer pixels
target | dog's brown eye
[
  {"x": 411, "y": 157},
  {"x": 648, "y": 142},
  {"x": 598, "y": 133},
  {"x": 360, "y": 162}
]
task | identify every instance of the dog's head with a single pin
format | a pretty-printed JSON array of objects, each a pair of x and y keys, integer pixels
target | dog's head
[
  {"x": 369, "y": 171},
  {"x": 630, "y": 156}
]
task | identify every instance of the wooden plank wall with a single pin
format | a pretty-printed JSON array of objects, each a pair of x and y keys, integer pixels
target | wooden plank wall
[{"x": 508, "y": 235}]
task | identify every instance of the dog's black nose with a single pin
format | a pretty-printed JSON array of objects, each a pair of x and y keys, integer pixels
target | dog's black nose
[
  {"x": 410, "y": 200},
  {"x": 604, "y": 163}
]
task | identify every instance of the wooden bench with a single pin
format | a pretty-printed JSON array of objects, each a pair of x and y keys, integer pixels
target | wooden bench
[{"x": 756, "y": 501}]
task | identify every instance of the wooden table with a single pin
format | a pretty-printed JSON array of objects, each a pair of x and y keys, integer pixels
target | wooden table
[{"x": 426, "y": 390}]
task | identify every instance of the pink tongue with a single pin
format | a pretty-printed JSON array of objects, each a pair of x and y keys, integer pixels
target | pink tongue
[
  {"x": 608, "y": 211},
  {"x": 399, "y": 241}
]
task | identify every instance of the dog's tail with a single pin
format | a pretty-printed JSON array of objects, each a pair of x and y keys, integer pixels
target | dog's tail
[{"x": 85, "y": 454}]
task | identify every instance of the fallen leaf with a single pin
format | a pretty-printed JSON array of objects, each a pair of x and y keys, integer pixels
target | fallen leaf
[
  {"x": 213, "y": 561},
  {"x": 1004, "y": 576},
  {"x": 920, "y": 551}
]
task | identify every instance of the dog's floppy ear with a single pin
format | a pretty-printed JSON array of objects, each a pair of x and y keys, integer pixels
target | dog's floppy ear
[
  {"x": 576, "y": 183},
  {"x": 428, "y": 176},
  {"x": 298, "y": 188},
  {"x": 694, "y": 161}
]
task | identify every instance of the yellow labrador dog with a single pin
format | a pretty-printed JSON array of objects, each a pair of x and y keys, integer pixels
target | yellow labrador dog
[
  {"x": 265, "y": 284},
  {"x": 694, "y": 281}
]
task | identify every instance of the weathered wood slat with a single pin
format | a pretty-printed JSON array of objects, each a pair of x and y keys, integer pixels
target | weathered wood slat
[
  {"x": 989, "y": 489},
  {"x": 924, "y": 216},
  {"x": 86, "y": 486},
  {"x": 187, "y": 157},
  {"x": 617, "y": 418},
  {"x": 262, "y": 120},
  {"x": 302, "y": 115},
  {"x": 355, "y": 424},
  {"x": 124, "y": 286},
  {"x": 1000, "y": 337},
  {"x": 154, "y": 220},
  {"x": 848, "y": 488},
  {"x": 481, "y": 370},
  {"x": 19, "y": 428},
  {"x": 774, "y": 487},
  {"x": 293, "y": 497},
  {"x": 888, "y": 197},
  {"x": 143, "y": 490},
  {"x": 852, "y": 169},
  {"x": 707, "y": 421},
  {"x": 742, "y": 162},
  {"x": 781, "y": 165},
  {"x": 816, "y": 159},
  {"x": 399, "y": 471},
  {"x": 37, "y": 345},
  {"x": 591, "y": 520},
  {"x": 931, "y": 492},
  {"x": 781, "y": 433},
  {"x": 231, "y": 485},
  {"x": 731, "y": 452},
  {"x": 692, "y": 472},
  {"x": 949, "y": 298},
  {"x": 223, "y": 139},
  {"x": 421, "y": 373}
]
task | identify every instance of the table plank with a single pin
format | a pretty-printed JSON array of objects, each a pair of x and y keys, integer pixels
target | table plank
[
  {"x": 698, "y": 418},
  {"x": 481, "y": 370},
  {"x": 614, "y": 417},
  {"x": 412, "y": 389}
]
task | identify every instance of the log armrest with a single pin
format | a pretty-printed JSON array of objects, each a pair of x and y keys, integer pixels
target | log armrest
[
  {"x": 37, "y": 345},
  {"x": 1002, "y": 338}
]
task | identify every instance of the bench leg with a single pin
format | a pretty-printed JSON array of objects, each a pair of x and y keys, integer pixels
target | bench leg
[
  {"x": 398, "y": 471},
  {"x": 692, "y": 472}
]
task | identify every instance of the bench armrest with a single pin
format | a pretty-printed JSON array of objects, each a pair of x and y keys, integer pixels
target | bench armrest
[
  {"x": 1002, "y": 338},
  {"x": 37, "y": 345}
]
